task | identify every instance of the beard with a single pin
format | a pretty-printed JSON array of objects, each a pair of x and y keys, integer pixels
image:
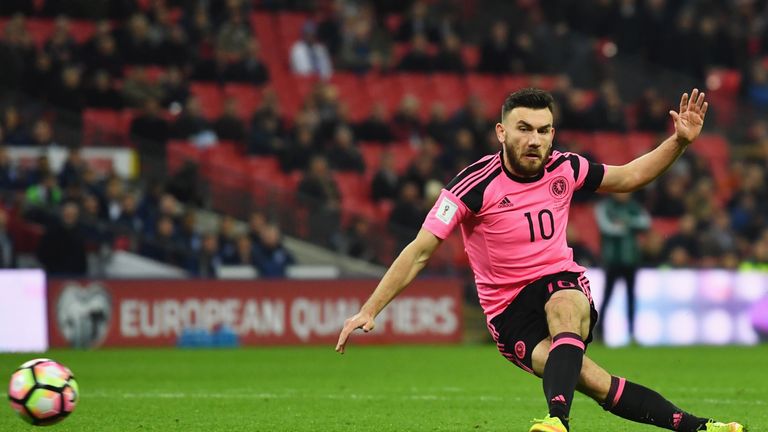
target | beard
[{"x": 525, "y": 167}]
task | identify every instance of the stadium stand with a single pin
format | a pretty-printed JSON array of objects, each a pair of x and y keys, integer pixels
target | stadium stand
[{"x": 612, "y": 106}]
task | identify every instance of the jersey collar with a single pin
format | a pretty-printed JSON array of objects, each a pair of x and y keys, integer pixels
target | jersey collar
[{"x": 518, "y": 178}]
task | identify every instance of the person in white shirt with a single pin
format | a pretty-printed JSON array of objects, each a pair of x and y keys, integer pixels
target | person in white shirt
[{"x": 309, "y": 56}]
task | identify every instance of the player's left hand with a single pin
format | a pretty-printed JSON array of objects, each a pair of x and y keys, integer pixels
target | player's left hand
[{"x": 690, "y": 120}]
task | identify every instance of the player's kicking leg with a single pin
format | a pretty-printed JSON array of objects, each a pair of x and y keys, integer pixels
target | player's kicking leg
[{"x": 624, "y": 399}]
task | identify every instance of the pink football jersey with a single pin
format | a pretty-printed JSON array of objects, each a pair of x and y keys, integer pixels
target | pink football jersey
[{"x": 514, "y": 228}]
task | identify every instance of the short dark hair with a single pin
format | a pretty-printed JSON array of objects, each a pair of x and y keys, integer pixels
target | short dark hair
[{"x": 528, "y": 98}]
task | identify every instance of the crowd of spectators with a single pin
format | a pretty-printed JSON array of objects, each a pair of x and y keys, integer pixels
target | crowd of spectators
[{"x": 615, "y": 62}]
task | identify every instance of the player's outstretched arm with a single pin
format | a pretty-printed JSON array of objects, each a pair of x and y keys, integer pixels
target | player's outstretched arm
[
  {"x": 402, "y": 271},
  {"x": 646, "y": 168}
]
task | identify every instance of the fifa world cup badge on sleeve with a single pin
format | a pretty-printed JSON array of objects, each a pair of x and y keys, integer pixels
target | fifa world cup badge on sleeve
[{"x": 446, "y": 210}]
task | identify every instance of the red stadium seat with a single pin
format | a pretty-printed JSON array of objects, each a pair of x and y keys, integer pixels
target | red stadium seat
[
  {"x": 641, "y": 142},
  {"x": 471, "y": 56},
  {"x": 352, "y": 94},
  {"x": 106, "y": 127},
  {"x": 666, "y": 227},
  {"x": 289, "y": 25},
  {"x": 384, "y": 89},
  {"x": 723, "y": 87},
  {"x": 611, "y": 148},
  {"x": 178, "y": 152},
  {"x": 352, "y": 186},
  {"x": 210, "y": 96},
  {"x": 582, "y": 218},
  {"x": 489, "y": 89},
  {"x": 421, "y": 86},
  {"x": 451, "y": 91},
  {"x": 82, "y": 30},
  {"x": 248, "y": 98},
  {"x": 264, "y": 26}
]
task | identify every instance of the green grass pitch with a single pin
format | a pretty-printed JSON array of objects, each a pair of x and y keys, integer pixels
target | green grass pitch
[{"x": 395, "y": 388}]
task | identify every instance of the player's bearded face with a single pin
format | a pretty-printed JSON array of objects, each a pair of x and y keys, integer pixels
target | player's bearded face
[{"x": 527, "y": 135}]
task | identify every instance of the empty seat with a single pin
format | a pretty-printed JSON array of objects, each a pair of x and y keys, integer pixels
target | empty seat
[
  {"x": 106, "y": 127},
  {"x": 210, "y": 97},
  {"x": 247, "y": 96}
]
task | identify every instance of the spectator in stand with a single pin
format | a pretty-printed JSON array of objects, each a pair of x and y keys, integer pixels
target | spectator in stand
[
  {"x": 129, "y": 220},
  {"x": 10, "y": 177},
  {"x": 101, "y": 92},
  {"x": 150, "y": 132},
  {"x": 385, "y": 182},
  {"x": 299, "y": 151},
  {"x": 273, "y": 257},
  {"x": 42, "y": 135},
  {"x": 229, "y": 126},
  {"x": 189, "y": 238},
  {"x": 682, "y": 247},
  {"x": 105, "y": 56},
  {"x": 343, "y": 153},
  {"x": 44, "y": 195},
  {"x": 41, "y": 169},
  {"x": 609, "y": 109},
  {"x": 251, "y": 69},
  {"x": 329, "y": 29},
  {"x": 61, "y": 250},
  {"x": 406, "y": 123},
  {"x": 13, "y": 126},
  {"x": 757, "y": 259},
  {"x": 652, "y": 115},
  {"x": 473, "y": 118},
  {"x": 265, "y": 138},
  {"x": 208, "y": 262},
  {"x": 407, "y": 214},
  {"x": 234, "y": 36},
  {"x": 757, "y": 89},
  {"x": 418, "y": 58},
  {"x": 137, "y": 46},
  {"x": 364, "y": 47},
  {"x": 418, "y": 22},
  {"x": 15, "y": 49},
  {"x": 74, "y": 168},
  {"x": 93, "y": 228},
  {"x": 40, "y": 78},
  {"x": 7, "y": 249},
  {"x": 319, "y": 194},
  {"x": 244, "y": 255},
  {"x": 184, "y": 184},
  {"x": 61, "y": 47},
  {"x": 670, "y": 196},
  {"x": 164, "y": 246},
  {"x": 497, "y": 52},
  {"x": 358, "y": 240},
  {"x": 137, "y": 88},
  {"x": 461, "y": 149},
  {"x": 69, "y": 99},
  {"x": 449, "y": 58},
  {"x": 176, "y": 51},
  {"x": 174, "y": 87},
  {"x": 227, "y": 240},
  {"x": 256, "y": 222},
  {"x": 375, "y": 127},
  {"x": 309, "y": 56},
  {"x": 111, "y": 201},
  {"x": 191, "y": 124}
]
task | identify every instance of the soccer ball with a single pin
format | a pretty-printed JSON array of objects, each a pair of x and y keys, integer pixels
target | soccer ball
[{"x": 43, "y": 392}]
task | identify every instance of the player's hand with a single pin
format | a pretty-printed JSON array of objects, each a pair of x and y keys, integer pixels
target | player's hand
[
  {"x": 690, "y": 119},
  {"x": 359, "y": 320}
]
